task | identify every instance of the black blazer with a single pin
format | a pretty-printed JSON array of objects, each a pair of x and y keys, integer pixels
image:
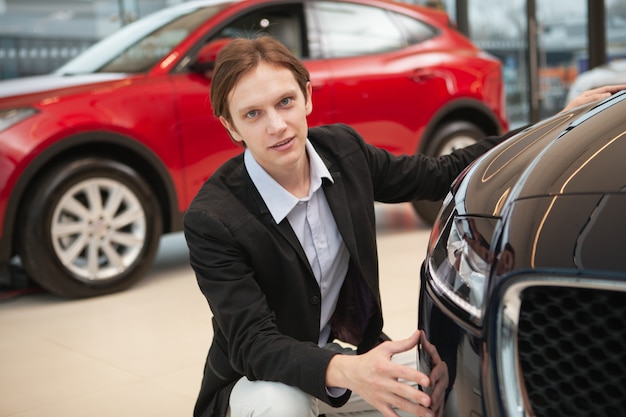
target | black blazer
[{"x": 254, "y": 273}]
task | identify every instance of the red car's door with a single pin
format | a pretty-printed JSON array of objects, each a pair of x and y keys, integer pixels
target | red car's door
[
  {"x": 384, "y": 86},
  {"x": 205, "y": 143}
]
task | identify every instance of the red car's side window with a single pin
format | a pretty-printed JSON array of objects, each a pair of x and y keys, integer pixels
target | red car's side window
[
  {"x": 285, "y": 23},
  {"x": 355, "y": 30}
]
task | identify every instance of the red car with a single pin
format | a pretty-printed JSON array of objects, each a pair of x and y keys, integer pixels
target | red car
[{"x": 102, "y": 157}]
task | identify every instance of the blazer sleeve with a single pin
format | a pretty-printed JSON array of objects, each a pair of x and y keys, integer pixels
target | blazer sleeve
[{"x": 405, "y": 178}]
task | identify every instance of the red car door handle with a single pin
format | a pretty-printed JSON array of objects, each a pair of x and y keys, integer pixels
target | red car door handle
[{"x": 421, "y": 75}]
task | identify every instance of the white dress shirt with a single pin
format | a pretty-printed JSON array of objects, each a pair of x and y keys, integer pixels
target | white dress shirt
[{"x": 314, "y": 225}]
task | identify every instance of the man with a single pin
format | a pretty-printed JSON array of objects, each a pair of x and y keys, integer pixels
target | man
[{"x": 283, "y": 243}]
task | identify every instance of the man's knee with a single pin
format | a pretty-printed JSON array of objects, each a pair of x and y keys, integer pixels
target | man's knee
[
  {"x": 286, "y": 401},
  {"x": 263, "y": 398}
]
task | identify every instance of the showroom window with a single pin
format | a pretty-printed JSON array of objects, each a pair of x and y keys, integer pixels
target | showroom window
[
  {"x": 561, "y": 28},
  {"x": 34, "y": 38}
]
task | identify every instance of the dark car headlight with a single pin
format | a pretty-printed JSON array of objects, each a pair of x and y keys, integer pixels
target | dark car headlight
[
  {"x": 9, "y": 117},
  {"x": 459, "y": 258}
]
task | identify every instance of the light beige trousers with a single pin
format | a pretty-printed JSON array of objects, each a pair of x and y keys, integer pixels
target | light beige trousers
[{"x": 274, "y": 399}]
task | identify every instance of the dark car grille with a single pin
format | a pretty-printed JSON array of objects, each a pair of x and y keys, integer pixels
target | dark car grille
[{"x": 572, "y": 349}]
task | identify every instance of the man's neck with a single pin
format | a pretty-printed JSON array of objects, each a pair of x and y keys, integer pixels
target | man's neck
[{"x": 298, "y": 180}]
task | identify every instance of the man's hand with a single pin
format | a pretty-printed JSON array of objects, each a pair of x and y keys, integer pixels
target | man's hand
[
  {"x": 381, "y": 382},
  {"x": 595, "y": 94}
]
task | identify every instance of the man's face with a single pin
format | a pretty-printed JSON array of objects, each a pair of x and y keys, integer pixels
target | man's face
[{"x": 268, "y": 112}]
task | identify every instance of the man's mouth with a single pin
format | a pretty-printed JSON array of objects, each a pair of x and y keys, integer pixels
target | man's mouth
[{"x": 282, "y": 143}]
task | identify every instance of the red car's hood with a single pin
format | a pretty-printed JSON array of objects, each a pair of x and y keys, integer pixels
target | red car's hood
[{"x": 51, "y": 82}]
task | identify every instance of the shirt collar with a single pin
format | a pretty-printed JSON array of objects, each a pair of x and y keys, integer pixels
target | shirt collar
[{"x": 278, "y": 200}]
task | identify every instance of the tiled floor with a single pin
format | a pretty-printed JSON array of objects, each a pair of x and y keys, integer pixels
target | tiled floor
[{"x": 141, "y": 352}]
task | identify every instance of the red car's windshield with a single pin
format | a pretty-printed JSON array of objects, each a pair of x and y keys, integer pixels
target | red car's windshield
[{"x": 139, "y": 46}]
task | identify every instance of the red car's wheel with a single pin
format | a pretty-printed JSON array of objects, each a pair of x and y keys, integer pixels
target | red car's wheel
[
  {"x": 445, "y": 140},
  {"x": 91, "y": 227}
]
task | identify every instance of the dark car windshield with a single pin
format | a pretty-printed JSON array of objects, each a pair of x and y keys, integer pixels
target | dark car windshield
[{"x": 139, "y": 46}]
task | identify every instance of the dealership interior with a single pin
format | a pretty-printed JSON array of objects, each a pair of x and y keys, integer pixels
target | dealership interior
[
  {"x": 543, "y": 44},
  {"x": 141, "y": 352}
]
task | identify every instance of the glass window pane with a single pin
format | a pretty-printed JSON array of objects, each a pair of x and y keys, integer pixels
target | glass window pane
[
  {"x": 417, "y": 31},
  {"x": 614, "y": 72},
  {"x": 563, "y": 45},
  {"x": 616, "y": 29},
  {"x": 499, "y": 27}
]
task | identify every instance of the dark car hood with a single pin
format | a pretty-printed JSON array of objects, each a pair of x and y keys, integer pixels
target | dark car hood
[
  {"x": 566, "y": 154},
  {"x": 559, "y": 187},
  {"x": 52, "y": 82}
]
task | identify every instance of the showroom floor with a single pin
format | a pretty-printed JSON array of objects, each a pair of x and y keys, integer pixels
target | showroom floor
[{"x": 141, "y": 352}]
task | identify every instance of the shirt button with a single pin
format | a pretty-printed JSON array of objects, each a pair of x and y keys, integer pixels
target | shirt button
[{"x": 315, "y": 300}]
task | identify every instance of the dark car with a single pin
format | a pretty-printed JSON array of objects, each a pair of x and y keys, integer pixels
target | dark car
[
  {"x": 102, "y": 157},
  {"x": 523, "y": 290}
]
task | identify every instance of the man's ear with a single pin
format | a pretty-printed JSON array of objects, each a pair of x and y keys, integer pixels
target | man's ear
[
  {"x": 231, "y": 130},
  {"x": 309, "y": 98}
]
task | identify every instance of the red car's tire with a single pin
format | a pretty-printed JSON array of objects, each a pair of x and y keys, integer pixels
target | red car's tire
[
  {"x": 91, "y": 226},
  {"x": 446, "y": 139}
]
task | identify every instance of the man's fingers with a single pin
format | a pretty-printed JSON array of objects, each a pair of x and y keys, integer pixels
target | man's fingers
[
  {"x": 608, "y": 89},
  {"x": 403, "y": 345},
  {"x": 412, "y": 394},
  {"x": 412, "y": 406},
  {"x": 594, "y": 95}
]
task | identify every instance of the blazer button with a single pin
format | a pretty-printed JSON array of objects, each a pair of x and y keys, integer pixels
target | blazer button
[{"x": 315, "y": 300}]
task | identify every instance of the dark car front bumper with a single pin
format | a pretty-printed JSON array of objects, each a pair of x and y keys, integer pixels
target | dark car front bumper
[
  {"x": 459, "y": 347},
  {"x": 551, "y": 345}
]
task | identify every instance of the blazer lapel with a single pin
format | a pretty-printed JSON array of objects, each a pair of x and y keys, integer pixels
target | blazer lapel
[
  {"x": 339, "y": 205},
  {"x": 284, "y": 228}
]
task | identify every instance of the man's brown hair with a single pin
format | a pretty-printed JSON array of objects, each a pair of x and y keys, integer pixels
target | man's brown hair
[{"x": 242, "y": 55}]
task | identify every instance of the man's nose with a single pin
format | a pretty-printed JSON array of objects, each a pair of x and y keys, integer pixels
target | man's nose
[{"x": 276, "y": 122}]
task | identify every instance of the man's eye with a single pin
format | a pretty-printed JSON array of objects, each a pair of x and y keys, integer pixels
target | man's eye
[
  {"x": 252, "y": 114},
  {"x": 286, "y": 101}
]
